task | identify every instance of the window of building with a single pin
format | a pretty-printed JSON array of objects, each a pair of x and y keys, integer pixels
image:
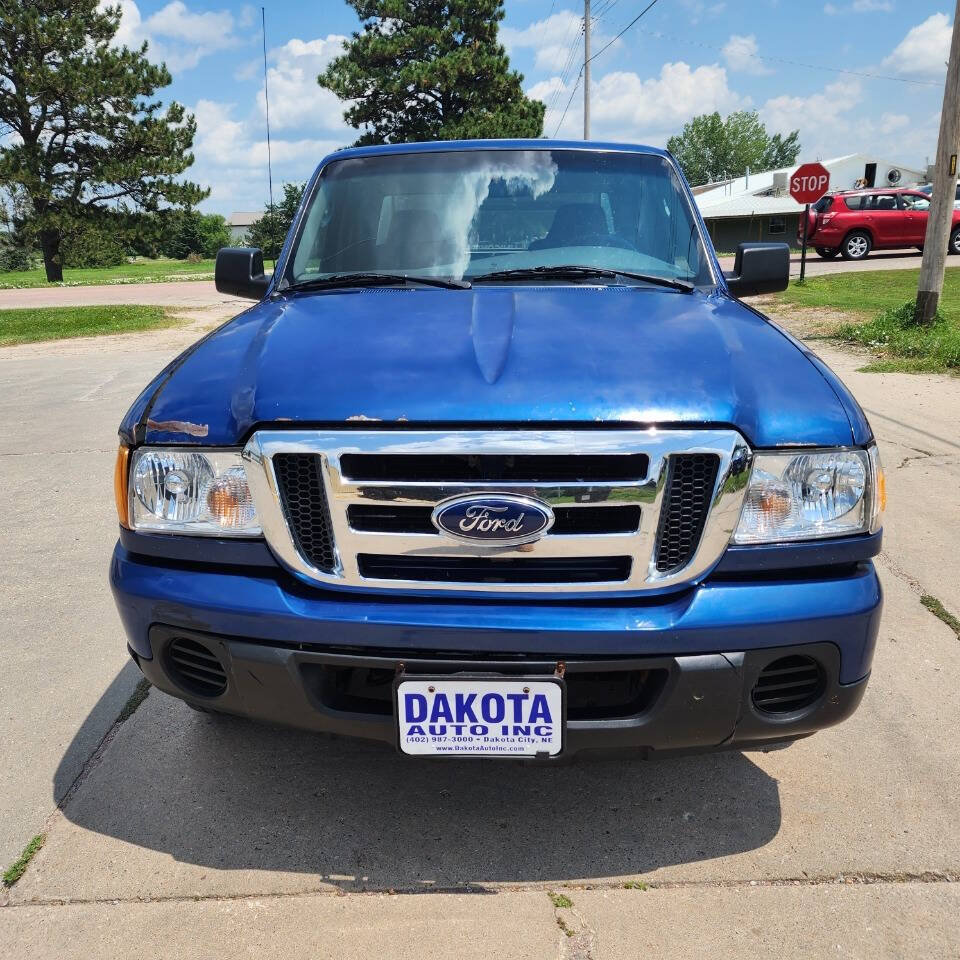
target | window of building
[{"x": 777, "y": 225}]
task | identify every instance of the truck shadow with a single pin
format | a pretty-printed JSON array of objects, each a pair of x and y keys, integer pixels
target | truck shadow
[{"x": 230, "y": 794}]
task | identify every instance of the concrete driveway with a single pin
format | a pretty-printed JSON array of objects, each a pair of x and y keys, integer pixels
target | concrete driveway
[{"x": 179, "y": 834}]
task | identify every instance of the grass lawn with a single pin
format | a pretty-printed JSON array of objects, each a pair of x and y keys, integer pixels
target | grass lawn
[
  {"x": 53, "y": 323},
  {"x": 871, "y": 305},
  {"x": 140, "y": 271}
]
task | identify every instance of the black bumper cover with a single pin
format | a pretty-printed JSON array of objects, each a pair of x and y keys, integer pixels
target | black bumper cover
[{"x": 703, "y": 702}]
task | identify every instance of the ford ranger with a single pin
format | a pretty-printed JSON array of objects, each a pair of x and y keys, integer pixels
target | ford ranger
[{"x": 499, "y": 464}]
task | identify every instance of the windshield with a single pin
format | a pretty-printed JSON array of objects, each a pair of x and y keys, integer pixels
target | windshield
[{"x": 462, "y": 214}]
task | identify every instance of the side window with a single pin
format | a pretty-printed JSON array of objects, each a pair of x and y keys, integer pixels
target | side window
[
  {"x": 854, "y": 203},
  {"x": 777, "y": 225},
  {"x": 877, "y": 202},
  {"x": 915, "y": 201}
]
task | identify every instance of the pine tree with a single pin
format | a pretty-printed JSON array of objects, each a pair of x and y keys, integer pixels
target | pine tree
[
  {"x": 83, "y": 129},
  {"x": 430, "y": 70}
]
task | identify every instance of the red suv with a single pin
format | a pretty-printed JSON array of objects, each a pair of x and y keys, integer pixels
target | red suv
[{"x": 855, "y": 222}]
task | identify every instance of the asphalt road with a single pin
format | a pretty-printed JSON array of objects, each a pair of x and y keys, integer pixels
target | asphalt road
[
  {"x": 885, "y": 260},
  {"x": 179, "y": 834}
]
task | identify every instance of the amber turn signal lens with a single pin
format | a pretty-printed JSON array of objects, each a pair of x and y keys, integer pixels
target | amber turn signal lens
[
  {"x": 882, "y": 490},
  {"x": 120, "y": 485}
]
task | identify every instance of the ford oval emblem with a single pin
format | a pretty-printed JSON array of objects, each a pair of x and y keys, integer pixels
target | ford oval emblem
[{"x": 497, "y": 519}]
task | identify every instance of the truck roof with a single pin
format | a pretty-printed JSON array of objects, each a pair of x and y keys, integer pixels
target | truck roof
[{"x": 439, "y": 146}]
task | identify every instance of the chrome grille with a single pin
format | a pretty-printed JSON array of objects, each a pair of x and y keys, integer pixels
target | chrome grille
[{"x": 352, "y": 507}]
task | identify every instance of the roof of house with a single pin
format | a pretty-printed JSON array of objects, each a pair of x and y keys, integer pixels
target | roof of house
[
  {"x": 749, "y": 205},
  {"x": 244, "y": 218}
]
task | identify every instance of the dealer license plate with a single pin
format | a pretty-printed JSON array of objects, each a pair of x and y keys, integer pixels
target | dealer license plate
[{"x": 480, "y": 717}]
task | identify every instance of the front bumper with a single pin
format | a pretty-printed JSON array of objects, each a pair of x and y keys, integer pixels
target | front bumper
[{"x": 278, "y": 639}]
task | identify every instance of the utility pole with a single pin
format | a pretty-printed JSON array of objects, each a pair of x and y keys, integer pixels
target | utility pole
[
  {"x": 944, "y": 188},
  {"x": 586, "y": 68}
]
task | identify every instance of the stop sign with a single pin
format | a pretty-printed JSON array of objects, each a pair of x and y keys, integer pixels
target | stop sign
[{"x": 809, "y": 182}]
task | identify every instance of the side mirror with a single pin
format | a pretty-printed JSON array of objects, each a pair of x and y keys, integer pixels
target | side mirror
[
  {"x": 239, "y": 272},
  {"x": 759, "y": 268}
]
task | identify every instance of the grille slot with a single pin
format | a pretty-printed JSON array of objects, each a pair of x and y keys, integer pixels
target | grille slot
[
  {"x": 591, "y": 695},
  {"x": 196, "y": 667},
  {"x": 525, "y": 468},
  {"x": 788, "y": 685},
  {"x": 390, "y": 518},
  {"x": 690, "y": 482},
  {"x": 304, "y": 499},
  {"x": 494, "y": 569}
]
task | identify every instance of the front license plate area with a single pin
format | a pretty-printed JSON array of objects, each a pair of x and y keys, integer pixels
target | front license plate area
[{"x": 480, "y": 716}]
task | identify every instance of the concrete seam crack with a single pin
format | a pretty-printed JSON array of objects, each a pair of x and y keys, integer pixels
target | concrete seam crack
[{"x": 858, "y": 878}]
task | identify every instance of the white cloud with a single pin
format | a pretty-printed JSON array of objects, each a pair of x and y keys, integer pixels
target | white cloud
[
  {"x": 306, "y": 124},
  {"x": 823, "y": 118},
  {"x": 890, "y": 122},
  {"x": 297, "y": 101},
  {"x": 741, "y": 52},
  {"x": 550, "y": 39},
  {"x": 627, "y": 107},
  {"x": 177, "y": 35},
  {"x": 924, "y": 50},
  {"x": 822, "y": 111}
]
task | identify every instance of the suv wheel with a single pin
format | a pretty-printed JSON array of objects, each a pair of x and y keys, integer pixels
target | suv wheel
[
  {"x": 828, "y": 253},
  {"x": 955, "y": 240},
  {"x": 856, "y": 246}
]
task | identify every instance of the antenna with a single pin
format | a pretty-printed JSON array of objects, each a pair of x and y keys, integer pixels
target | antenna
[{"x": 266, "y": 97}]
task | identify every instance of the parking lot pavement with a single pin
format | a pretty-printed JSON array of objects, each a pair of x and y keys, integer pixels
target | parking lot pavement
[{"x": 185, "y": 828}]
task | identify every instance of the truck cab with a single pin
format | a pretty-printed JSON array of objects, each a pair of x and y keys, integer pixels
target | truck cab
[{"x": 499, "y": 464}]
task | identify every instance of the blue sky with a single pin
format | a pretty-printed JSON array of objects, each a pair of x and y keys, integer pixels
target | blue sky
[{"x": 684, "y": 57}]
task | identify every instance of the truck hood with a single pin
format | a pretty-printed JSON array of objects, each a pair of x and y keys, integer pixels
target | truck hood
[{"x": 492, "y": 355}]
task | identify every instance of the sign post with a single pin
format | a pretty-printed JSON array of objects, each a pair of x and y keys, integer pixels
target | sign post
[{"x": 808, "y": 183}]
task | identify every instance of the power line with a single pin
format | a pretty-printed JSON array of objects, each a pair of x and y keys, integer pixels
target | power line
[
  {"x": 567, "y": 67},
  {"x": 624, "y": 30},
  {"x": 567, "y": 107},
  {"x": 604, "y": 9},
  {"x": 793, "y": 63}
]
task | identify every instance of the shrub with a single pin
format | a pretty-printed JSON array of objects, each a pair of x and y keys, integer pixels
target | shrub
[
  {"x": 13, "y": 257},
  {"x": 893, "y": 333}
]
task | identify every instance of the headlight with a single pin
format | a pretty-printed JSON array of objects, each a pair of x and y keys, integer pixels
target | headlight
[
  {"x": 191, "y": 491},
  {"x": 803, "y": 496}
]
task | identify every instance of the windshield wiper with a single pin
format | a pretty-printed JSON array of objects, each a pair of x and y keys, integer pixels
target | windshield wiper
[
  {"x": 574, "y": 272},
  {"x": 373, "y": 280}
]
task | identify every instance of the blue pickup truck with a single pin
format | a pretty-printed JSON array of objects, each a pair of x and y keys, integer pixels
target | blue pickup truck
[{"x": 499, "y": 464}]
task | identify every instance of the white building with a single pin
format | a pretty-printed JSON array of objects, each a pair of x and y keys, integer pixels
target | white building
[
  {"x": 240, "y": 223},
  {"x": 758, "y": 206}
]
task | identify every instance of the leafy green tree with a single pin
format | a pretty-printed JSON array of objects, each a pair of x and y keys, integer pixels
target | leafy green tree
[
  {"x": 84, "y": 130},
  {"x": 214, "y": 234},
  {"x": 711, "y": 148},
  {"x": 269, "y": 232},
  {"x": 430, "y": 70}
]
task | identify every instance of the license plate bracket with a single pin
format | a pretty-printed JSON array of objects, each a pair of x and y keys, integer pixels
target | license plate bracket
[{"x": 473, "y": 715}]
